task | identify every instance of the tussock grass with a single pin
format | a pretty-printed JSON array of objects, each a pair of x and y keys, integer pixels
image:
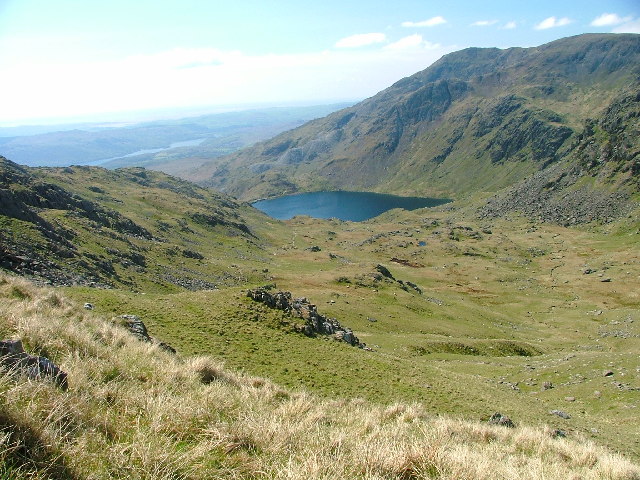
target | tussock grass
[{"x": 134, "y": 411}]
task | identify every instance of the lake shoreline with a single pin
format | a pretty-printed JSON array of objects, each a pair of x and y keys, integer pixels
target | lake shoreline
[{"x": 340, "y": 204}]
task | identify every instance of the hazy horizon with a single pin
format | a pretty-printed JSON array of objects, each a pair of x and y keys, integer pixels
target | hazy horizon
[{"x": 69, "y": 61}]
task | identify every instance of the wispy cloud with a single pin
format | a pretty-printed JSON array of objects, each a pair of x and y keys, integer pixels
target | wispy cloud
[
  {"x": 552, "y": 22},
  {"x": 510, "y": 25},
  {"x": 361, "y": 40},
  {"x": 609, "y": 20},
  {"x": 412, "y": 41},
  {"x": 432, "y": 22},
  {"x": 632, "y": 26},
  {"x": 484, "y": 23}
]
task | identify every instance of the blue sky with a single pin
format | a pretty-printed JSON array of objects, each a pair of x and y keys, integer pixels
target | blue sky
[{"x": 79, "y": 59}]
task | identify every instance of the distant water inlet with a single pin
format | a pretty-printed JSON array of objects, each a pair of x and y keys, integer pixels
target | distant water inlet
[{"x": 353, "y": 206}]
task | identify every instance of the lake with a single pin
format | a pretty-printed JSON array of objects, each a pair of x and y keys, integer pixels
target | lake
[
  {"x": 353, "y": 206},
  {"x": 184, "y": 143}
]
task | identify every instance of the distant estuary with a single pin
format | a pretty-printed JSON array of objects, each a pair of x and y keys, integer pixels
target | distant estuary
[{"x": 353, "y": 206}]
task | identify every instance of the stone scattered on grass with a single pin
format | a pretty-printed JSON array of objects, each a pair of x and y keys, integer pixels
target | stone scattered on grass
[
  {"x": 560, "y": 414},
  {"x": 502, "y": 420},
  {"x": 15, "y": 360},
  {"x": 139, "y": 330}
]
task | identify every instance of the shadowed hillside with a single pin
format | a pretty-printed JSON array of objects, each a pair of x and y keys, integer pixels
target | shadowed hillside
[{"x": 130, "y": 227}]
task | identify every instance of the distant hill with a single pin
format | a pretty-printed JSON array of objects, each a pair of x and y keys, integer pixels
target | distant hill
[
  {"x": 220, "y": 134},
  {"x": 477, "y": 120}
]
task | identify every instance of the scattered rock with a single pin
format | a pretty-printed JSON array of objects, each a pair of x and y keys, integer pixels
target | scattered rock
[
  {"x": 547, "y": 386},
  {"x": 436, "y": 301},
  {"x": 502, "y": 420},
  {"x": 14, "y": 359},
  {"x": 384, "y": 271},
  {"x": 314, "y": 248},
  {"x": 135, "y": 326},
  {"x": 88, "y": 306},
  {"x": 139, "y": 330},
  {"x": 570, "y": 399},
  {"x": 588, "y": 271},
  {"x": 557, "y": 433},
  {"x": 606, "y": 280},
  {"x": 597, "y": 394},
  {"x": 607, "y": 373},
  {"x": 560, "y": 414},
  {"x": 415, "y": 287},
  {"x": 404, "y": 262}
]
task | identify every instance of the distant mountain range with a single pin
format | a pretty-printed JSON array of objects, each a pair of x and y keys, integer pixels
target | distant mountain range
[
  {"x": 477, "y": 120},
  {"x": 219, "y": 134}
]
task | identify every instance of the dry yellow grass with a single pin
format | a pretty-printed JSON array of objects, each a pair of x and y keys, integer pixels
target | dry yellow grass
[{"x": 134, "y": 411}]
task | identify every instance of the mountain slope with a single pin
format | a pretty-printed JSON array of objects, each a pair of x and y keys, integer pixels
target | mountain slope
[
  {"x": 477, "y": 120},
  {"x": 131, "y": 227}
]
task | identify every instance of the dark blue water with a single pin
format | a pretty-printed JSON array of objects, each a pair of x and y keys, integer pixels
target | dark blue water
[{"x": 354, "y": 206}]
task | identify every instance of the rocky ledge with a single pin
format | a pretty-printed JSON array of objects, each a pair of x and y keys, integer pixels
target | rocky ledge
[{"x": 315, "y": 323}]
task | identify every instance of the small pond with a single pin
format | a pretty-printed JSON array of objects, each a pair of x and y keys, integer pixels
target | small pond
[{"x": 353, "y": 206}]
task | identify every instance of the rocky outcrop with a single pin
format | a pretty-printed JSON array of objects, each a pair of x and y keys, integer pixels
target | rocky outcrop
[
  {"x": 502, "y": 420},
  {"x": 315, "y": 323},
  {"x": 15, "y": 360},
  {"x": 606, "y": 153},
  {"x": 139, "y": 330}
]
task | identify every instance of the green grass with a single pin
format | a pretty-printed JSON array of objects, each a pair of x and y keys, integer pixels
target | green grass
[
  {"x": 485, "y": 335},
  {"x": 134, "y": 411}
]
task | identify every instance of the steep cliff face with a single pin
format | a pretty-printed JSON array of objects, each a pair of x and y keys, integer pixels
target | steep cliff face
[
  {"x": 476, "y": 120},
  {"x": 596, "y": 180}
]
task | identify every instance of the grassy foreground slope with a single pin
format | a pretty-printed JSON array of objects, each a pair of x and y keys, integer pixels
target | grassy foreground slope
[{"x": 134, "y": 411}]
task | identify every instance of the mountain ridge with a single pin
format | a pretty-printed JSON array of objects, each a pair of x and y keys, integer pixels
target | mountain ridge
[{"x": 477, "y": 120}]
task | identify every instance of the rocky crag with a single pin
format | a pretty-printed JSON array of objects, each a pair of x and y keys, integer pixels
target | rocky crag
[{"x": 315, "y": 323}]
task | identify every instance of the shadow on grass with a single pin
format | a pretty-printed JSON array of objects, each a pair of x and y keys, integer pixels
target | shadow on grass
[{"x": 25, "y": 453}]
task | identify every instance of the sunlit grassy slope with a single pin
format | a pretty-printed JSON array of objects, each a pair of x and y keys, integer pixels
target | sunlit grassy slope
[
  {"x": 507, "y": 320},
  {"x": 134, "y": 411}
]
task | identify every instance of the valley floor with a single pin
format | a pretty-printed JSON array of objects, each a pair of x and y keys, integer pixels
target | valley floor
[{"x": 538, "y": 322}]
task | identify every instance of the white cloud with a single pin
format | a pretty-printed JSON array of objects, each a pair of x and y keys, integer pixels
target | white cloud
[
  {"x": 432, "y": 22},
  {"x": 412, "y": 41},
  {"x": 608, "y": 20},
  {"x": 484, "y": 23},
  {"x": 552, "y": 22},
  {"x": 632, "y": 26},
  {"x": 205, "y": 77},
  {"x": 510, "y": 25},
  {"x": 361, "y": 40}
]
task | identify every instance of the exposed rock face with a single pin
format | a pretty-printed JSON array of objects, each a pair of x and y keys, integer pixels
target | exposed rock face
[
  {"x": 14, "y": 359},
  {"x": 606, "y": 153},
  {"x": 315, "y": 323},
  {"x": 139, "y": 330}
]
